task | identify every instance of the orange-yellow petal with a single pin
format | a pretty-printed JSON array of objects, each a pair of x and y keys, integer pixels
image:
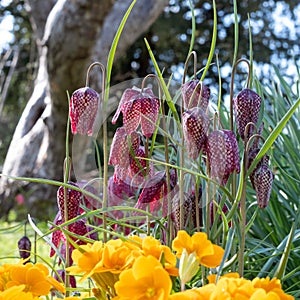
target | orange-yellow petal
[
  {"x": 146, "y": 280},
  {"x": 214, "y": 259}
]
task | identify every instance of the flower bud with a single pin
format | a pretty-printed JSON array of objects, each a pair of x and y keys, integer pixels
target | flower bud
[
  {"x": 24, "y": 246},
  {"x": 188, "y": 266}
]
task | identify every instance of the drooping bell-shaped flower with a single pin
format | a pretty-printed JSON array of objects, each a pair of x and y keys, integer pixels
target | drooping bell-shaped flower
[
  {"x": 195, "y": 125},
  {"x": 58, "y": 238},
  {"x": 246, "y": 106},
  {"x": 189, "y": 210},
  {"x": 152, "y": 191},
  {"x": 84, "y": 104},
  {"x": 155, "y": 189},
  {"x": 118, "y": 191},
  {"x": 120, "y": 147},
  {"x": 262, "y": 180},
  {"x": 24, "y": 246},
  {"x": 195, "y": 98},
  {"x": 73, "y": 199},
  {"x": 79, "y": 228},
  {"x": 223, "y": 154},
  {"x": 139, "y": 168},
  {"x": 139, "y": 107}
]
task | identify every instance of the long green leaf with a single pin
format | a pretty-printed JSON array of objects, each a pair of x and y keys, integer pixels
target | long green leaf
[
  {"x": 279, "y": 273},
  {"x": 163, "y": 85},
  {"x": 113, "y": 49}
]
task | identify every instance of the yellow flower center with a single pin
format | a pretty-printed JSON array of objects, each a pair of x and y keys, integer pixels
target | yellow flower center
[{"x": 150, "y": 292}]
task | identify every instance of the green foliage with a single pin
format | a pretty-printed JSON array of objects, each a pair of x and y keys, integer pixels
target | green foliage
[{"x": 269, "y": 233}]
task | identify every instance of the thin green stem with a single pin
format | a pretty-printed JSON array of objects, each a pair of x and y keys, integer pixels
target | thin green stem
[
  {"x": 236, "y": 33},
  {"x": 66, "y": 176},
  {"x": 243, "y": 218},
  {"x": 213, "y": 42},
  {"x": 193, "y": 27}
]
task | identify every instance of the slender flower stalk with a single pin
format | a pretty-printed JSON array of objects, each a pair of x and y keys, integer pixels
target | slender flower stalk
[
  {"x": 181, "y": 172},
  {"x": 105, "y": 142}
]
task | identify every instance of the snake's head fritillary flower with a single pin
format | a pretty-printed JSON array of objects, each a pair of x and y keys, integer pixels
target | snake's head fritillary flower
[
  {"x": 247, "y": 107},
  {"x": 73, "y": 199},
  {"x": 155, "y": 191},
  {"x": 223, "y": 154},
  {"x": 24, "y": 246},
  {"x": 118, "y": 191},
  {"x": 139, "y": 107},
  {"x": 195, "y": 98},
  {"x": 189, "y": 210},
  {"x": 84, "y": 104},
  {"x": 139, "y": 170},
  {"x": 261, "y": 178},
  {"x": 152, "y": 191},
  {"x": 80, "y": 229},
  {"x": 251, "y": 156},
  {"x": 195, "y": 126},
  {"x": 120, "y": 147},
  {"x": 262, "y": 181}
]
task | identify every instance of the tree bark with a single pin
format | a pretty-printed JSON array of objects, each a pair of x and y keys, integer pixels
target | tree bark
[{"x": 70, "y": 35}]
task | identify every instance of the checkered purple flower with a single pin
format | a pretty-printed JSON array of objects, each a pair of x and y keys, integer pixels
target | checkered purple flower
[
  {"x": 83, "y": 110},
  {"x": 247, "y": 107},
  {"x": 223, "y": 154},
  {"x": 195, "y": 125},
  {"x": 138, "y": 108}
]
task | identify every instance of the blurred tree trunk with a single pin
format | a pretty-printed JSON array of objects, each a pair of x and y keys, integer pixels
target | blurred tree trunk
[{"x": 70, "y": 35}]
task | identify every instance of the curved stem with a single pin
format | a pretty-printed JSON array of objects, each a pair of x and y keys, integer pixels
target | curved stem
[
  {"x": 213, "y": 42},
  {"x": 169, "y": 236},
  {"x": 194, "y": 54},
  {"x": 105, "y": 143}
]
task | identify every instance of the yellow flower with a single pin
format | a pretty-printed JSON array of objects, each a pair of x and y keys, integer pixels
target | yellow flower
[
  {"x": 202, "y": 293},
  {"x": 209, "y": 254},
  {"x": 151, "y": 246},
  {"x": 212, "y": 278},
  {"x": 233, "y": 288},
  {"x": 146, "y": 280},
  {"x": 116, "y": 257},
  {"x": 16, "y": 293},
  {"x": 35, "y": 278},
  {"x": 261, "y": 294},
  {"x": 271, "y": 285},
  {"x": 87, "y": 258}
]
